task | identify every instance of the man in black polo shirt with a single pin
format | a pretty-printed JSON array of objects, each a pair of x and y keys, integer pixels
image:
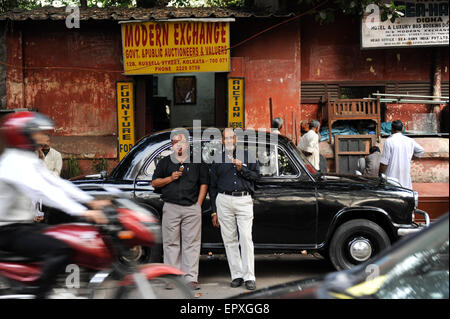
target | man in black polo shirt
[
  {"x": 183, "y": 186},
  {"x": 232, "y": 184}
]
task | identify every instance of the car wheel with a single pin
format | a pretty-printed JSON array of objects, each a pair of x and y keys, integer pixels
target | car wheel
[{"x": 356, "y": 241}]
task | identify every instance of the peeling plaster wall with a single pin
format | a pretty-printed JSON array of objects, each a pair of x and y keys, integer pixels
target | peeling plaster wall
[
  {"x": 270, "y": 65},
  {"x": 79, "y": 94},
  {"x": 332, "y": 52},
  {"x": 431, "y": 167}
]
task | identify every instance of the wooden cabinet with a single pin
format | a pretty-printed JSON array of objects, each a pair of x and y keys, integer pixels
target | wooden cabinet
[{"x": 348, "y": 150}]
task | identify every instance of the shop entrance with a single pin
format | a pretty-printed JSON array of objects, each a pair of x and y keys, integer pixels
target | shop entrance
[{"x": 166, "y": 101}]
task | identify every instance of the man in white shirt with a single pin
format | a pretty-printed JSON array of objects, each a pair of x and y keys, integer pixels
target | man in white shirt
[
  {"x": 24, "y": 179},
  {"x": 397, "y": 153},
  {"x": 51, "y": 157},
  {"x": 53, "y": 160},
  {"x": 309, "y": 144}
]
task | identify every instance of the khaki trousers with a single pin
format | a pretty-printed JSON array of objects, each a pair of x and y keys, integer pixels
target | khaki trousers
[
  {"x": 236, "y": 220},
  {"x": 181, "y": 234}
]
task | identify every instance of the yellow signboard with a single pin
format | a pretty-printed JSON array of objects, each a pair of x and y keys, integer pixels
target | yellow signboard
[
  {"x": 236, "y": 102},
  {"x": 175, "y": 47},
  {"x": 125, "y": 117}
]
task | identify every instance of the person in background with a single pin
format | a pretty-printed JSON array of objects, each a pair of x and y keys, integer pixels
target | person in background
[
  {"x": 277, "y": 124},
  {"x": 370, "y": 165},
  {"x": 398, "y": 151},
  {"x": 183, "y": 186},
  {"x": 309, "y": 144},
  {"x": 53, "y": 160},
  {"x": 51, "y": 157},
  {"x": 231, "y": 190}
]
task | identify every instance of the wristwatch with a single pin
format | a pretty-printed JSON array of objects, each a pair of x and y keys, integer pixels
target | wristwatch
[{"x": 212, "y": 215}]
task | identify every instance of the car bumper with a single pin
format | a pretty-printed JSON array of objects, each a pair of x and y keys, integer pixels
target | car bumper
[{"x": 403, "y": 231}]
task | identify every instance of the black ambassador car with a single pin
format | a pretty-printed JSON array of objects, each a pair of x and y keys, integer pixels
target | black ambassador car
[{"x": 347, "y": 219}]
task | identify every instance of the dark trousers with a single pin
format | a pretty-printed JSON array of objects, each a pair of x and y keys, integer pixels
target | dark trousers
[{"x": 28, "y": 240}]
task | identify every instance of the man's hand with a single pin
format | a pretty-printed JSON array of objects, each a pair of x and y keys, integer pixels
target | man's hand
[
  {"x": 96, "y": 216},
  {"x": 176, "y": 175},
  {"x": 41, "y": 153},
  {"x": 215, "y": 220},
  {"x": 99, "y": 204},
  {"x": 38, "y": 219},
  {"x": 238, "y": 164}
]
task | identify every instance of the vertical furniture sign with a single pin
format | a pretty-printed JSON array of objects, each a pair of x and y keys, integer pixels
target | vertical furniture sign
[
  {"x": 236, "y": 107},
  {"x": 125, "y": 117}
]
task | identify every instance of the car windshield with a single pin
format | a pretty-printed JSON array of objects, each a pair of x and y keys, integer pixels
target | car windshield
[
  {"x": 417, "y": 269},
  {"x": 308, "y": 165}
]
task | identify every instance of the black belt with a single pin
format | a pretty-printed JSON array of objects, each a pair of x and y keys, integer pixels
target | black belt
[{"x": 237, "y": 193}]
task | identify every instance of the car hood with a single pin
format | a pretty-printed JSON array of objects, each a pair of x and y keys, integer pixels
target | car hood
[{"x": 357, "y": 179}]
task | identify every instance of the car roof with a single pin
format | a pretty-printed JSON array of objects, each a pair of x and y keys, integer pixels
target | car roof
[{"x": 249, "y": 134}]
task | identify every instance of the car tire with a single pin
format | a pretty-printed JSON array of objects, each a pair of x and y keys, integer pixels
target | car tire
[{"x": 356, "y": 241}]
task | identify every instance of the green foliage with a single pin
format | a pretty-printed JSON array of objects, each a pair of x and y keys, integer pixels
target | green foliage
[
  {"x": 6, "y": 5},
  {"x": 326, "y": 10},
  {"x": 73, "y": 167},
  {"x": 225, "y": 3},
  {"x": 207, "y": 3},
  {"x": 100, "y": 164}
]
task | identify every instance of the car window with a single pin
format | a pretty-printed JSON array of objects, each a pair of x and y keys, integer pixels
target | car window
[
  {"x": 285, "y": 165},
  {"x": 150, "y": 168},
  {"x": 423, "y": 275},
  {"x": 274, "y": 161},
  {"x": 416, "y": 269},
  {"x": 267, "y": 160},
  {"x": 209, "y": 149}
]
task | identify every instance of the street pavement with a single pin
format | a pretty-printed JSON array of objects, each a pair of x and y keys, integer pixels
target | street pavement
[
  {"x": 270, "y": 269},
  {"x": 214, "y": 275}
]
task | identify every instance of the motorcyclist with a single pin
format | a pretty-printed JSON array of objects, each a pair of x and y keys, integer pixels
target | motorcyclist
[{"x": 24, "y": 178}]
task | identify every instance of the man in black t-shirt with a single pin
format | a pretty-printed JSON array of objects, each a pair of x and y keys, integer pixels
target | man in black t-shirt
[{"x": 183, "y": 186}]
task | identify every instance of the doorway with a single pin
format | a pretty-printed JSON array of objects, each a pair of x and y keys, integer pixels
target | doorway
[{"x": 159, "y": 106}]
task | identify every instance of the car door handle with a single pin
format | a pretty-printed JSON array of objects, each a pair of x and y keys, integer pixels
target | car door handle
[{"x": 142, "y": 183}]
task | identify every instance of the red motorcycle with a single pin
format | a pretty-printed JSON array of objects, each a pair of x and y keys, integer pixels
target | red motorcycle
[{"x": 98, "y": 269}]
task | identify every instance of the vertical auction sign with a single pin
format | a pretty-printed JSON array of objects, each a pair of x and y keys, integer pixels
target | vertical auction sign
[
  {"x": 236, "y": 107},
  {"x": 125, "y": 117}
]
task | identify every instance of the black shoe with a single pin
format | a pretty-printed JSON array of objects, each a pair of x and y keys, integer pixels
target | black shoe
[
  {"x": 236, "y": 282},
  {"x": 250, "y": 285},
  {"x": 194, "y": 285}
]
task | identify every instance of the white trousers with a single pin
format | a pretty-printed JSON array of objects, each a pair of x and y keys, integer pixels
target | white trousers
[{"x": 236, "y": 220}]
